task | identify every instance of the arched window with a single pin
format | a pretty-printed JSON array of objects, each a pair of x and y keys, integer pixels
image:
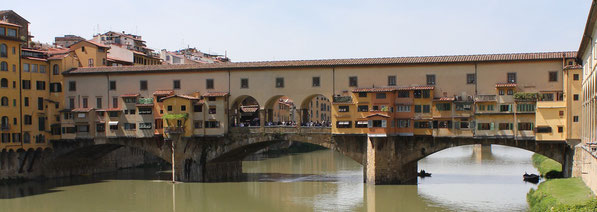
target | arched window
[
  {"x": 3, "y": 50},
  {"x": 4, "y": 122},
  {"x": 4, "y": 83},
  {"x": 4, "y": 101},
  {"x": 26, "y": 137},
  {"x": 56, "y": 69},
  {"x": 3, "y": 66}
]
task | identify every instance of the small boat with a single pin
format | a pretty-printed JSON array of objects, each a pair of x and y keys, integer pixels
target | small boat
[
  {"x": 533, "y": 178},
  {"x": 422, "y": 174}
]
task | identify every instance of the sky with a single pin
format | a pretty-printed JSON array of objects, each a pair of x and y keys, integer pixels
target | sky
[{"x": 260, "y": 30}]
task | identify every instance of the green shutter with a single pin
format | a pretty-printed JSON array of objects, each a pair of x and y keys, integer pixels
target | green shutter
[
  {"x": 479, "y": 126},
  {"x": 491, "y": 127},
  {"x": 532, "y": 127},
  {"x": 509, "y": 108},
  {"x": 511, "y": 126}
]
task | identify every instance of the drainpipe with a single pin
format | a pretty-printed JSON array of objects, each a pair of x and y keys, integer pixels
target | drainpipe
[{"x": 20, "y": 81}]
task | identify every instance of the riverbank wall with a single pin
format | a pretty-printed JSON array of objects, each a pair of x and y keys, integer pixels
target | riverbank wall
[
  {"x": 24, "y": 166},
  {"x": 585, "y": 166}
]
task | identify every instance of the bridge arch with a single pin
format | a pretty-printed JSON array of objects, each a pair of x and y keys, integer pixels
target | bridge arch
[
  {"x": 280, "y": 109},
  {"x": 315, "y": 108},
  {"x": 245, "y": 111}
]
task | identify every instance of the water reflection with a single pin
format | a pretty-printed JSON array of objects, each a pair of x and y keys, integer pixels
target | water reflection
[{"x": 464, "y": 179}]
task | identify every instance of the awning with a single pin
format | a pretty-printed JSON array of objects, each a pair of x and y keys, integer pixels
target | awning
[
  {"x": 113, "y": 123},
  {"x": 343, "y": 123},
  {"x": 362, "y": 122}
]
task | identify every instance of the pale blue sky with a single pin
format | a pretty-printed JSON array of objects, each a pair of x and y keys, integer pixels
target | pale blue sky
[{"x": 316, "y": 29}]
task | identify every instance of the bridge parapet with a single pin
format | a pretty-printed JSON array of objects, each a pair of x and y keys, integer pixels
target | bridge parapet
[{"x": 280, "y": 130}]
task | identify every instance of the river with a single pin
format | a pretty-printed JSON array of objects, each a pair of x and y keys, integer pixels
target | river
[{"x": 466, "y": 178}]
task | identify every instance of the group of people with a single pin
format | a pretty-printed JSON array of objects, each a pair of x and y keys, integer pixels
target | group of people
[{"x": 255, "y": 123}]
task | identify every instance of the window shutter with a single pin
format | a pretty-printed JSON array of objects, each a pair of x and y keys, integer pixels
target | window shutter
[
  {"x": 509, "y": 108},
  {"x": 491, "y": 127},
  {"x": 479, "y": 126},
  {"x": 370, "y": 124},
  {"x": 383, "y": 123},
  {"x": 457, "y": 125},
  {"x": 511, "y": 126},
  {"x": 532, "y": 127}
]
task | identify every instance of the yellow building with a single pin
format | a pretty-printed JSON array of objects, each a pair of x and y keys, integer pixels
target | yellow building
[
  {"x": 90, "y": 53},
  {"x": 10, "y": 83}
]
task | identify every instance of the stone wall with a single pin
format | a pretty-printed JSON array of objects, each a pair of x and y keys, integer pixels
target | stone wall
[{"x": 585, "y": 166}]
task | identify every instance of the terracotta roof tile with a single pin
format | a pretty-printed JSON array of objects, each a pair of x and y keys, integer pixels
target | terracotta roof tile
[
  {"x": 444, "y": 99},
  {"x": 163, "y": 92},
  {"x": 373, "y": 90},
  {"x": 110, "y": 110},
  {"x": 9, "y": 24},
  {"x": 215, "y": 94},
  {"x": 423, "y": 87},
  {"x": 573, "y": 67},
  {"x": 82, "y": 109},
  {"x": 329, "y": 63},
  {"x": 181, "y": 96},
  {"x": 130, "y": 95},
  {"x": 378, "y": 114}
]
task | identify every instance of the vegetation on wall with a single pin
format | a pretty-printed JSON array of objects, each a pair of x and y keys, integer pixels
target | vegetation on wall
[
  {"x": 175, "y": 116},
  {"x": 526, "y": 96}
]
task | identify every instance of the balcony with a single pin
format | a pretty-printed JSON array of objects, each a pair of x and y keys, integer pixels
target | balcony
[
  {"x": 342, "y": 99},
  {"x": 485, "y": 98},
  {"x": 526, "y": 97}
]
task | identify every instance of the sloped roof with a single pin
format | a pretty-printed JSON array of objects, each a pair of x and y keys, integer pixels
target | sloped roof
[
  {"x": 329, "y": 63},
  {"x": 215, "y": 94}
]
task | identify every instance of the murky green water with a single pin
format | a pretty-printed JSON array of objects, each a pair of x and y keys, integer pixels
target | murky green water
[{"x": 464, "y": 179}]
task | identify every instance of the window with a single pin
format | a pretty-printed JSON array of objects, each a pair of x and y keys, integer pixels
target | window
[
  {"x": 363, "y": 108},
  {"x": 169, "y": 107},
  {"x": 505, "y": 126},
  {"x": 443, "y": 106},
  {"x": 505, "y": 108},
  {"x": 484, "y": 126},
  {"x": 430, "y": 79},
  {"x": 560, "y": 129},
  {"x": 130, "y": 126},
  {"x": 402, "y": 108},
  {"x": 575, "y": 118},
  {"x": 553, "y": 76},
  {"x": 209, "y": 84},
  {"x": 511, "y": 77},
  {"x": 145, "y": 125},
  {"x": 198, "y": 124},
  {"x": 378, "y": 123},
  {"x": 575, "y": 97},
  {"x": 55, "y": 87},
  {"x": 72, "y": 86},
  {"x": 525, "y": 126},
  {"x": 42, "y": 69},
  {"x": 211, "y": 99},
  {"x": 27, "y": 120},
  {"x": 113, "y": 126},
  {"x": 56, "y": 69},
  {"x": 422, "y": 125},
  {"x": 391, "y": 80},
  {"x": 145, "y": 110},
  {"x": 3, "y": 66},
  {"x": 343, "y": 108},
  {"x": 212, "y": 124},
  {"x": 71, "y": 102},
  {"x": 98, "y": 102},
  {"x": 402, "y": 123},
  {"x": 3, "y": 50},
  {"x": 4, "y": 83},
  {"x": 442, "y": 124},
  {"x": 85, "y": 102},
  {"x": 40, "y": 103},
  {"x": 112, "y": 85},
  {"x": 426, "y": 109},
  {"x": 470, "y": 79},
  {"x": 82, "y": 128},
  {"x": 40, "y": 85},
  {"x": 2, "y": 31},
  {"x": 114, "y": 102},
  {"x": 25, "y": 67},
  {"x": 244, "y": 83},
  {"x": 143, "y": 85},
  {"x": 183, "y": 108},
  {"x": 576, "y": 77},
  {"x": 11, "y": 32},
  {"x": 113, "y": 114},
  {"x": 525, "y": 107},
  {"x": 353, "y": 81},
  {"x": 543, "y": 129},
  {"x": 343, "y": 124},
  {"x": 27, "y": 84},
  {"x": 363, "y": 94},
  {"x": 403, "y": 94},
  {"x": 510, "y": 92},
  {"x": 315, "y": 82},
  {"x": 99, "y": 127},
  {"x": 561, "y": 113},
  {"x": 464, "y": 125},
  {"x": 380, "y": 95},
  {"x": 501, "y": 92},
  {"x": 279, "y": 82},
  {"x": 360, "y": 124},
  {"x": 91, "y": 62},
  {"x": 418, "y": 109},
  {"x": 4, "y": 101},
  {"x": 426, "y": 94},
  {"x": 82, "y": 48},
  {"x": 212, "y": 110},
  {"x": 34, "y": 68},
  {"x": 176, "y": 84}
]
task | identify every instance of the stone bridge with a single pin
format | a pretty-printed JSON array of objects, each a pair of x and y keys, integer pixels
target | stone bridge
[{"x": 386, "y": 160}]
